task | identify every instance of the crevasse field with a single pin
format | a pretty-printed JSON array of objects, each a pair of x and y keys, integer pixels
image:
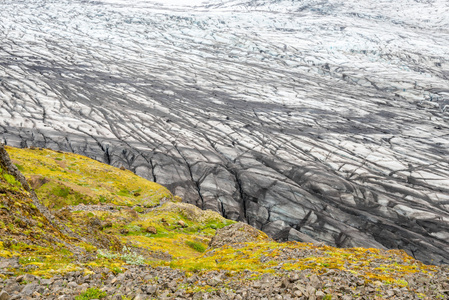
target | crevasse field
[{"x": 322, "y": 120}]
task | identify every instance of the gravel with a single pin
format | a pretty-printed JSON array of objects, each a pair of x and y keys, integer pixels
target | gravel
[{"x": 143, "y": 282}]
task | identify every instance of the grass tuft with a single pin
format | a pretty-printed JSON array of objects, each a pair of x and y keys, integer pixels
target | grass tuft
[
  {"x": 91, "y": 293},
  {"x": 196, "y": 246}
]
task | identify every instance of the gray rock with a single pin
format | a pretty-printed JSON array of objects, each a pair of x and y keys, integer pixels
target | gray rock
[
  {"x": 46, "y": 282},
  {"x": 29, "y": 288},
  {"x": 121, "y": 278},
  {"x": 320, "y": 295},
  {"x": 214, "y": 281},
  {"x": 315, "y": 281},
  {"x": 151, "y": 289},
  {"x": 72, "y": 285},
  {"x": 140, "y": 297},
  {"x": 29, "y": 277},
  {"x": 9, "y": 263},
  {"x": 310, "y": 291},
  {"x": 192, "y": 279}
]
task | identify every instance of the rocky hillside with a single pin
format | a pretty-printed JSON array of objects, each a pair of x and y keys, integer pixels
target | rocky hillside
[{"x": 97, "y": 231}]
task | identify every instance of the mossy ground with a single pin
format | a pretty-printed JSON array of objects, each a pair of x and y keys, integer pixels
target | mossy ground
[
  {"x": 179, "y": 232},
  {"x": 373, "y": 265},
  {"x": 61, "y": 179}
]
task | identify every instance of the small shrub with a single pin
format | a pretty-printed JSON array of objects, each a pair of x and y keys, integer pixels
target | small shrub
[
  {"x": 107, "y": 254},
  {"x": 128, "y": 256},
  {"x": 134, "y": 228},
  {"x": 132, "y": 258},
  {"x": 91, "y": 293},
  {"x": 196, "y": 246},
  {"x": 62, "y": 192}
]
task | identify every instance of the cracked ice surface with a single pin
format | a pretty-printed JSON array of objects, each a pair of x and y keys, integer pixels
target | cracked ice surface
[{"x": 307, "y": 119}]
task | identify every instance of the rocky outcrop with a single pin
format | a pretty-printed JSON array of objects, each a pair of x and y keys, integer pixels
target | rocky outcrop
[
  {"x": 330, "y": 124},
  {"x": 236, "y": 234}
]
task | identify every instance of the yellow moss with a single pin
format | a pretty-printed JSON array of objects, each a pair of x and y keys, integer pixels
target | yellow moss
[{"x": 86, "y": 180}]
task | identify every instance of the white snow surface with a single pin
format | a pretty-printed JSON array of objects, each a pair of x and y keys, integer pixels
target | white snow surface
[{"x": 199, "y": 91}]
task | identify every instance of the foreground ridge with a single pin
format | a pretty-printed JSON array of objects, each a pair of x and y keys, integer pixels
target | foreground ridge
[{"x": 129, "y": 242}]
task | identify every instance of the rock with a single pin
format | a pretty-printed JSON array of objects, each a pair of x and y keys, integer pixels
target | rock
[
  {"x": 236, "y": 233},
  {"x": 214, "y": 281},
  {"x": 46, "y": 282},
  {"x": 300, "y": 288},
  {"x": 95, "y": 223},
  {"x": 310, "y": 291},
  {"x": 151, "y": 229},
  {"x": 320, "y": 295},
  {"x": 8, "y": 262},
  {"x": 141, "y": 297},
  {"x": 192, "y": 279},
  {"x": 120, "y": 278},
  {"x": 4, "y": 295},
  {"x": 20, "y": 278},
  {"x": 285, "y": 284},
  {"x": 315, "y": 281},
  {"x": 182, "y": 224},
  {"x": 29, "y": 277},
  {"x": 36, "y": 294},
  {"x": 29, "y": 289},
  {"x": 151, "y": 289},
  {"x": 294, "y": 277},
  {"x": 106, "y": 224}
]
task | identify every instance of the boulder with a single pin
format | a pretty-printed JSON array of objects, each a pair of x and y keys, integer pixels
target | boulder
[
  {"x": 235, "y": 234},
  {"x": 151, "y": 229}
]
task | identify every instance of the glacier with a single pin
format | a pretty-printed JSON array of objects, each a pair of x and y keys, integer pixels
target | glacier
[{"x": 318, "y": 121}]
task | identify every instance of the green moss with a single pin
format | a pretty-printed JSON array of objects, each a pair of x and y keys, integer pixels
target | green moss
[
  {"x": 61, "y": 191},
  {"x": 91, "y": 293},
  {"x": 138, "y": 209},
  {"x": 196, "y": 246},
  {"x": 11, "y": 180}
]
